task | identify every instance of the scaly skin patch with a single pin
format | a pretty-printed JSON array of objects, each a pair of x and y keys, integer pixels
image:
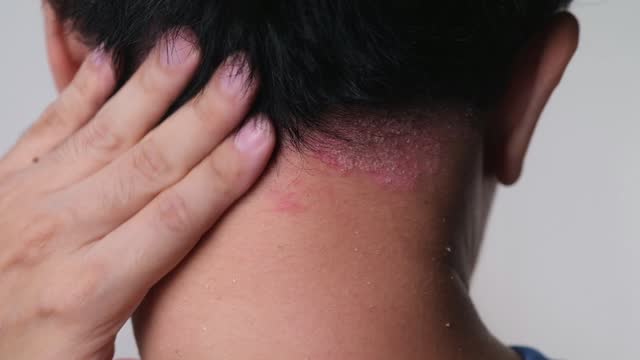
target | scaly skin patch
[{"x": 393, "y": 153}]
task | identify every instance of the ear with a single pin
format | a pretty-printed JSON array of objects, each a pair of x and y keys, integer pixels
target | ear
[
  {"x": 64, "y": 49},
  {"x": 534, "y": 77}
]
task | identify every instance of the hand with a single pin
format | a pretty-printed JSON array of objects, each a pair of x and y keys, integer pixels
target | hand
[{"x": 97, "y": 205}]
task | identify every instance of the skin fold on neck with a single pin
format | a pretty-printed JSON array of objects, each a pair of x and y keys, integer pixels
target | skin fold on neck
[{"x": 336, "y": 255}]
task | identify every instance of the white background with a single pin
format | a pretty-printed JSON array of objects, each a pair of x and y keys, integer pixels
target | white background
[{"x": 561, "y": 261}]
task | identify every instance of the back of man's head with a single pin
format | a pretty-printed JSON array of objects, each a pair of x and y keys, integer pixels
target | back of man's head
[{"x": 321, "y": 61}]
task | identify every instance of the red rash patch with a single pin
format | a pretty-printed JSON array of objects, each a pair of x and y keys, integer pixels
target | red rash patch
[
  {"x": 287, "y": 203},
  {"x": 394, "y": 153},
  {"x": 288, "y": 197}
]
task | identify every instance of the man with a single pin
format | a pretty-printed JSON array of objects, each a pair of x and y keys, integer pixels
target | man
[{"x": 396, "y": 120}]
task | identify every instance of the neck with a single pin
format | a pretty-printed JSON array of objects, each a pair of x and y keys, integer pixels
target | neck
[{"x": 323, "y": 263}]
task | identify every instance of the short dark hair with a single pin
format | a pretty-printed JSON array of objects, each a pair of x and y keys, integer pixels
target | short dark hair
[{"x": 324, "y": 56}]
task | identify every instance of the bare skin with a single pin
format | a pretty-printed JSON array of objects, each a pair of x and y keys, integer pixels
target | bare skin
[
  {"x": 97, "y": 204},
  {"x": 332, "y": 266},
  {"x": 334, "y": 259}
]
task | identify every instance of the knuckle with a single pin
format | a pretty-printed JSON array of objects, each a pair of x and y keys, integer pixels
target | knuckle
[
  {"x": 210, "y": 116},
  {"x": 68, "y": 111},
  {"x": 173, "y": 213},
  {"x": 50, "y": 115},
  {"x": 85, "y": 286},
  {"x": 100, "y": 136},
  {"x": 81, "y": 89},
  {"x": 76, "y": 94},
  {"x": 227, "y": 178},
  {"x": 65, "y": 151},
  {"x": 36, "y": 240},
  {"x": 149, "y": 162},
  {"x": 150, "y": 80},
  {"x": 74, "y": 295},
  {"x": 78, "y": 98},
  {"x": 53, "y": 118},
  {"x": 124, "y": 192}
]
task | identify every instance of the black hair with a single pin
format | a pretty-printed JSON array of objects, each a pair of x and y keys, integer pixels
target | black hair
[{"x": 316, "y": 57}]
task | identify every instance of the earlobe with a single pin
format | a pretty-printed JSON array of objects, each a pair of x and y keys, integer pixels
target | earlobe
[
  {"x": 64, "y": 53},
  {"x": 536, "y": 74}
]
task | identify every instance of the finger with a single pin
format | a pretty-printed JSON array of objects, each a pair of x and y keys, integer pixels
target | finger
[
  {"x": 149, "y": 245},
  {"x": 76, "y": 105},
  {"x": 167, "y": 154},
  {"x": 131, "y": 112}
]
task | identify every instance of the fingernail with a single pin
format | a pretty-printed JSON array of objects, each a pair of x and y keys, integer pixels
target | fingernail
[
  {"x": 253, "y": 134},
  {"x": 99, "y": 56},
  {"x": 178, "y": 47},
  {"x": 234, "y": 74}
]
